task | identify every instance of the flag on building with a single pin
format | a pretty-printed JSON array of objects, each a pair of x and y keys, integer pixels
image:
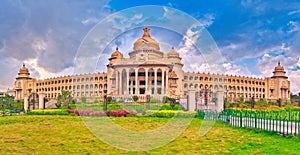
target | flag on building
[{"x": 144, "y": 41}]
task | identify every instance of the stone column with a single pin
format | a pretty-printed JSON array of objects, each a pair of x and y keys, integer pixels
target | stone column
[
  {"x": 191, "y": 100},
  {"x": 146, "y": 82},
  {"x": 155, "y": 81},
  {"x": 162, "y": 82},
  {"x": 41, "y": 100},
  {"x": 220, "y": 101},
  {"x": 136, "y": 80},
  {"x": 121, "y": 89},
  {"x": 117, "y": 82},
  {"x": 26, "y": 102},
  {"x": 167, "y": 82},
  {"x": 127, "y": 83}
]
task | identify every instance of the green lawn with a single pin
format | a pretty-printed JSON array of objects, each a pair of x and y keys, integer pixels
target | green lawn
[{"x": 68, "y": 135}]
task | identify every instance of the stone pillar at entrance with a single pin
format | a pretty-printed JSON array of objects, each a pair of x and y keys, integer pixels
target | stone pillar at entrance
[
  {"x": 136, "y": 81},
  {"x": 191, "y": 100},
  {"x": 127, "y": 82},
  {"x": 146, "y": 82},
  {"x": 155, "y": 81},
  {"x": 26, "y": 102},
  {"x": 41, "y": 100},
  {"x": 163, "y": 82},
  {"x": 220, "y": 101}
]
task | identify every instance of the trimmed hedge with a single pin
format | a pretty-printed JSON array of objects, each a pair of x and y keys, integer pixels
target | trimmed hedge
[
  {"x": 48, "y": 112},
  {"x": 169, "y": 113}
]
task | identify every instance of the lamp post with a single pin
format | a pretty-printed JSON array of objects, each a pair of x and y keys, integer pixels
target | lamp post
[
  {"x": 105, "y": 103},
  {"x": 252, "y": 102},
  {"x": 148, "y": 101},
  {"x": 279, "y": 102}
]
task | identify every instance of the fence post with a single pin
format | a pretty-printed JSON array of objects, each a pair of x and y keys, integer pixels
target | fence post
[
  {"x": 241, "y": 118},
  {"x": 298, "y": 123},
  {"x": 255, "y": 121}
]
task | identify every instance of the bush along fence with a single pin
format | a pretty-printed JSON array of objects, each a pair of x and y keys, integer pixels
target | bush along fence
[{"x": 283, "y": 122}]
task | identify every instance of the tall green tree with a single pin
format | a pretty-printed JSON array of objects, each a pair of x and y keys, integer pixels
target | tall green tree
[
  {"x": 6, "y": 102},
  {"x": 64, "y": 99}
]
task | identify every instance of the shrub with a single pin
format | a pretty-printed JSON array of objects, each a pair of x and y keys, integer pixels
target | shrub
[
  {"x": 135, "y": 98},
  {"x": 169, "y": 113},
  {"x": 109, "y": 99},
  {"x": 121, "y": 112},
  {"x": 87, "y": 112},
  {"x": 83, "y": 99},
  {"x": 165, "y": 99},
  {"x": 48, "y": 112},
  {"x": 121, "y": 100},
  {"x": 169, "y": 107},
  {"x": 154, "y": 100}
]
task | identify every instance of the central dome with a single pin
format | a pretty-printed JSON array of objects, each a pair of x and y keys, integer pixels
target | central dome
[{"x": 146, "y": 42}]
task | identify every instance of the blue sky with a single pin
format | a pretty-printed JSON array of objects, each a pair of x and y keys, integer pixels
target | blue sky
[{"x": 252, "y": 35}]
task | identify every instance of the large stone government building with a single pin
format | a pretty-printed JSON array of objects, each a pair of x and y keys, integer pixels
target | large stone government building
[{"x": 149, "y": 71}]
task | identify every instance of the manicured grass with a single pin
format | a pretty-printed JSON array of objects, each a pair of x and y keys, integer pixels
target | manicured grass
[{"x": 68, "y": 135}]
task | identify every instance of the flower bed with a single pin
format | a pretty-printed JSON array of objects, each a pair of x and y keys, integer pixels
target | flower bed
[
  {"x": 115, "y": 113},
  {"x": 169, "y": 113},
  {"x": 122, "y": 112},
  {"x": 86, "y": 112}
]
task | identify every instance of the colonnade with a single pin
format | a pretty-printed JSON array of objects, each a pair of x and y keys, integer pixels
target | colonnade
[{"x": 141, "y": 80}]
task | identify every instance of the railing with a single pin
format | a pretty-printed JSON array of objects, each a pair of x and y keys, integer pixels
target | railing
[{"x": 284, "y": 122}]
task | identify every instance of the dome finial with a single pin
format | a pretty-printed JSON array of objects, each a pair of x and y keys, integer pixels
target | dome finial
[
  {"x": 278, "y": 63},
  {"x": 172, "y": 47},
  {"x": 23, "y": 64},
  {"x": 117, "y": 48},
  {"x": 146, "y": 32}
]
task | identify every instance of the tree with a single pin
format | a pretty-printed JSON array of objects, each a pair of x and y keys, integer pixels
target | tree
[
  {"x": 83, "y": 99},
  {"x": 135, "y": 98},
  {"x": 172, "y": 102},
  {"x": 242, "y": 99},
  {"x": 109, "y": 99},
  {"x": 6, "y": 101},
  {"x": 165, "y": 99},
  {"x": 64, "y": 99},
  {"x": 96, "y": 100}
]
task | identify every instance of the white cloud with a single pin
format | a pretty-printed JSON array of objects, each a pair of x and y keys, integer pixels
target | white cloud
[
  {"x": 90, "y": 21},
  {"x": 39, "y": 44},
  {"x": 41, "y": 73},
  {"x": 294, "y": 12},
  {"x": 207, "y": 19},
  {"x": 137, "y": 16},
  {"x": 294, "y": 26},
  {"x": 294, "y": 77},
  {"x": 268, "y": 62}
]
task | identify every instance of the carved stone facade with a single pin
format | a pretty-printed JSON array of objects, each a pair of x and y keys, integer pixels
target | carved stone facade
[{"x": 149, "y": 71}]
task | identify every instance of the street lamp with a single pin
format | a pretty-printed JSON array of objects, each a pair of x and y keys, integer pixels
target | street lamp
[
  {"x": 279, "y": 102},
  {"x": 105, "y": 103},
  {"x": 252, "y": 102},
  {"x": 148, "y": 101}
]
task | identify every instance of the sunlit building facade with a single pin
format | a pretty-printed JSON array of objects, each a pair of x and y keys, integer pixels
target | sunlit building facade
[{"x": 150, "y": 71}]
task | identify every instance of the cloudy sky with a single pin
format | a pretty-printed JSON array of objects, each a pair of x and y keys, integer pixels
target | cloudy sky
[{"x": 252, "y": 35}]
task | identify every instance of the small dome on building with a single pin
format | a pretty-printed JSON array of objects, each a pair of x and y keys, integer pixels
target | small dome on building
[
  {"x": 146, "y": 41},
  {"x": 279, "y": 67},
  {"x": 173, "y": 53},
  {"x": 23, "y": 69},
  {"x": 117, "y": 54},
  {"x": 23, "y": 72}
]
